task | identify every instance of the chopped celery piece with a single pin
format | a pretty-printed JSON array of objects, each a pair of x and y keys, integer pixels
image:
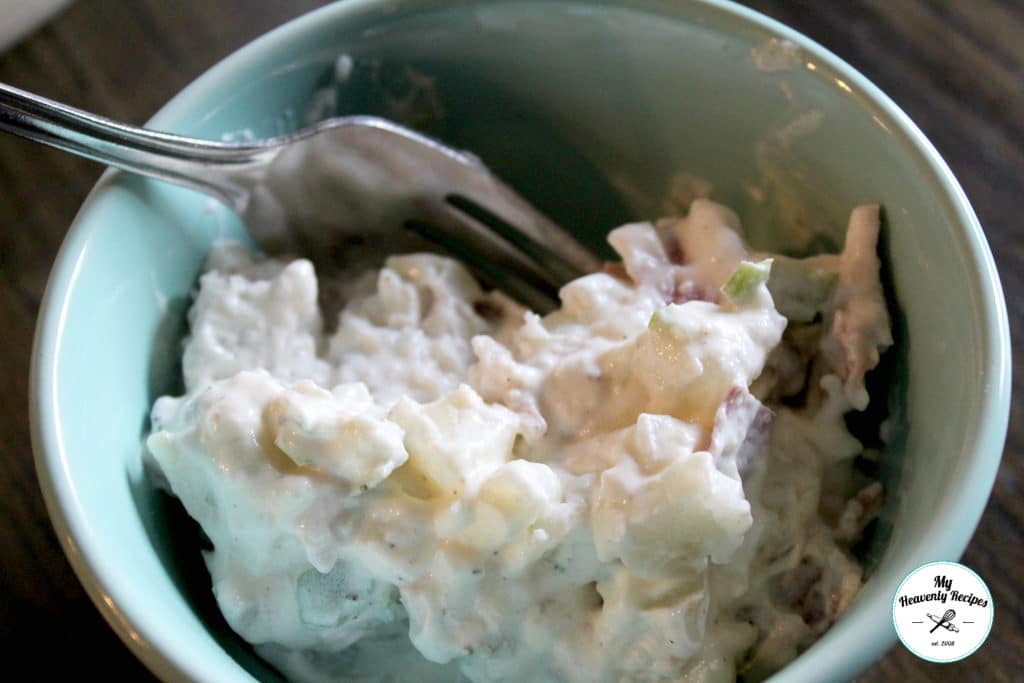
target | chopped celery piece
[
  {"x": 745, "y": 280},
  {"x": 801, "y": 288}
]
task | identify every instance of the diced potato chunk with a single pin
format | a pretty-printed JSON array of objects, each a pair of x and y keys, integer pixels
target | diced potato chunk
[
  {"x": 514, "y": 497},
  {"x": 336, "y": 434},
  {"x": 454, "y": 438},
  {"x": 678, "y": 518}
]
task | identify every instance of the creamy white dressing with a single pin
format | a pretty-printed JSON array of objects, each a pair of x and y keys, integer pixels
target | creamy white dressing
[{"x": 448, "y": 483}]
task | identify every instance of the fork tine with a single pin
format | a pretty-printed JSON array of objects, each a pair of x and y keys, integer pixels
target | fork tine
[
  {"x": 375, "y": 176},
  {"x": 490, "y": 201},
  {"x": 537, "y": 297},
  {"x": 424, "y": 170},
  {"x": 489, "y": 255},
  {"x": 563, "y": 270}
]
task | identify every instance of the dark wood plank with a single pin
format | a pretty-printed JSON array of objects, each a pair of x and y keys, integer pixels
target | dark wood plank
[
  {"x": 124, "y": 60},
  {"x": 956, "y": 67}
]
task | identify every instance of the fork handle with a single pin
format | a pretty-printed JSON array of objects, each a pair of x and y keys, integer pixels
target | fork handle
[{"x": 199, "y": 164}]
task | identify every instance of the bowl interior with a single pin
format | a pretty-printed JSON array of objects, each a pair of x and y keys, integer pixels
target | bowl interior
[{"x": 590, "y": 110}]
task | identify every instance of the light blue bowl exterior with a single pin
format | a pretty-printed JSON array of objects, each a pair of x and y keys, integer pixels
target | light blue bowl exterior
[{"x": 636, "y": 89}]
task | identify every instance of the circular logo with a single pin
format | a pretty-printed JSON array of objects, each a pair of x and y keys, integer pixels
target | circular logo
[{"x": 942, "y": 611}]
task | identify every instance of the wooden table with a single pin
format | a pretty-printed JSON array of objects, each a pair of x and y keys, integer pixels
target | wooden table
[{"x": 956, "y": 66}]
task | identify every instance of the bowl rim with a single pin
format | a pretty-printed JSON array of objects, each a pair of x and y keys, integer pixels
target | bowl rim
[{"x": 156, "y": 648}]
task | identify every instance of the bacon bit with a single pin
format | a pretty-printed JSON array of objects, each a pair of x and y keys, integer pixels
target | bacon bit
[
  {"x": 675, "y": 253},
  {"x": 732, "y": 398},
  {"x": 738, "y": 398},
  {"x": 617, "y": 270},
  {"x": 755, "y": 446},
  {"x": 725, "y": 410},
  {"x": 689, "y": 291},
  {"x": 859, "y": 512},
  {"x": 488, "y": 310},
  {"x": 814, "y": 610},
  {"x": 740, "y": 404},
  {"x": 871, "y": 496},
  {"x": 795, "y": 585}
]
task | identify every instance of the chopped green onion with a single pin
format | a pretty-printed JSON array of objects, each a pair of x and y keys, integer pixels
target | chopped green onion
[
  {"x": 745, "y": 280},
  {"x": 656, "y": 322}
]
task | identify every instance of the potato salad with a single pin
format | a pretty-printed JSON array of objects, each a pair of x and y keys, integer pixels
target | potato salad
[{"x": 654, "y": 482}]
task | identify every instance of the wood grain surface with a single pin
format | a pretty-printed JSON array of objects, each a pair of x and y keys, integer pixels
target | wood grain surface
[{"x": 956, "y": 66}]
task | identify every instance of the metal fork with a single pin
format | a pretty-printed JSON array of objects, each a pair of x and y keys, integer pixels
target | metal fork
[{"x": 343, "y": 191}]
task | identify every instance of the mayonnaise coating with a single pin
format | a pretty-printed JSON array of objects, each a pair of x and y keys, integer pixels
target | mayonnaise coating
[{"x": 611, "y": 492}]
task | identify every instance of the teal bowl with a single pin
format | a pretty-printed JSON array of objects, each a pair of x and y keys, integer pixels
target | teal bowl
[{"x": 589, "y": 108}]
